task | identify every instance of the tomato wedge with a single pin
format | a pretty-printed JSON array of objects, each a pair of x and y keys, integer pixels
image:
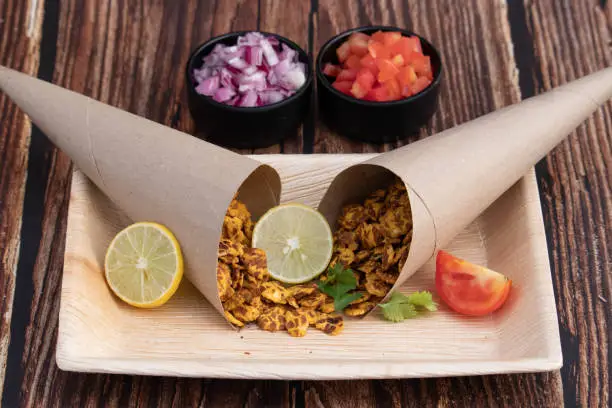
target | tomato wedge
[{"x": 468, "y": 288}]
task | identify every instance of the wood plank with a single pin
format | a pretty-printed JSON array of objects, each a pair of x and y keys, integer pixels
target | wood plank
[
  {"x": 111, "y": 57},
  {"x": 476, "y": 79},
  {"x": 571, "y": 39},
  {"x": 480, "y": 76},
  {"x": 20, "y": 35},
  {"x": 271, "y": 16},
  {"x": 290, "y": 21},
  {"x": 116, "y": 53}
]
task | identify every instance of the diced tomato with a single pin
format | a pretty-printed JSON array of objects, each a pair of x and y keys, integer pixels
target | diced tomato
[
  {"x": 420, "y": 84},
  {"x": 331, "y": 70},
  {"x": 398, "y": 60},
  {"x": 468, "y": 288},
  {"x": 387, "y": 70},
  {"x": 406, "y": 46},
  {"x": 422, "y": 65},
  {"x": 385, "y": 66},
  {"x": 353, "y": 62},
  {"x": 343, "y": 51},
  {"x": 347, "y": 75},
  {"x": 378, "y": 36},
  {"x": 406, "y": 91},
  {"x": 359, "y": 44},
  {"x": 393, "y": 88},
  {"x": 415, "y": 44},
  {"x": 343, "y": 86},
  {"x": 358, "y": 91},
  {"x": 378, "y": 50},
  {"x": 369, "y": 62},
  {"x": 366, "y": 79},
  {"x": 379, "y": 94},
  {"x": 360, "y": 36},
  {"x": 406, "y": 77},
  {"x": 391, "y": 37}
]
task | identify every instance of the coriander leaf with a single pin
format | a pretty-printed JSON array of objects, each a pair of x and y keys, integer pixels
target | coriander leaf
[
  {"x": 329, "y": 289},
  {"x": 397, "y": 312},
  {"x": 335, "y": 290},
  {"x": 337, "y": 285},
  {"x": 346, "y": 281},
  {"x": 398, "y": 297},
  {"x": 424, "y": 300},
  {"x": 334, "y": 271},
  {"x": 400, "y": 307},
  {"x": 344, "y": 300}
]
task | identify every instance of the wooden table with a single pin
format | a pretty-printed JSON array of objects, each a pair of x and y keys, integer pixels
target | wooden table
[{"x": 131, "y": 54}]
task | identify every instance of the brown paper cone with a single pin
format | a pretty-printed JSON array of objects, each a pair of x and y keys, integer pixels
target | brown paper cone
[
  {"x": 152, "y": 172},
  {"x": 453, "y": 176}
]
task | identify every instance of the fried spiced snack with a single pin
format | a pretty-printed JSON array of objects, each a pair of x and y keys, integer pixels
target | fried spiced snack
[
  {"x": 373, "y": 240},
  {"x": 248, "y": 294}
]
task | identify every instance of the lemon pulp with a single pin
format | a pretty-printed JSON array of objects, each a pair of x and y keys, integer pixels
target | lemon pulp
[
  {"x": 144, "y": 265},
  {"x": 297, "y": 240}
]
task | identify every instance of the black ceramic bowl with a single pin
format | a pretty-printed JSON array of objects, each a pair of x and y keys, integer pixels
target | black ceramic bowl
[
  {"x": 376, "y": 122},
  {"x": 246, "y": 127}
]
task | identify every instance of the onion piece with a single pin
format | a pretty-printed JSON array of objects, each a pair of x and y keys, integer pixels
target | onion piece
[
  {"x": 293, "y": 79},
  {"x": 208, "y": 86},
  {"x": 270, "y": 97},
  {"x": 287, "y": 53},
  {"x": 269, "y": 52},
  {"x": 249, "y": 99},
  {"x": 223, "y": 94},
  {"x": 238, "y": 63},
  {"x": 254, "y": 55}
]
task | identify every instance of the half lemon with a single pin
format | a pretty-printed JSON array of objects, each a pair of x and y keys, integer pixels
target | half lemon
[
  {"x": 297, "y": 240},
  {"x": 144, "y": 265}
]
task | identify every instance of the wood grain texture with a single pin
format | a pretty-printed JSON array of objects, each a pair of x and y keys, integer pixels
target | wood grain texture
[
  {"x": 572, "y": 39},
  {"x": 20, "y": 33},
  {"x": 117, "y": 51},
  {"x": 479, "y": 72},
  {"x": 480, "y": 76}
]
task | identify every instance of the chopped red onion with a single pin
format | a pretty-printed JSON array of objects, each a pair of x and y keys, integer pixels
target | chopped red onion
[
  {"x": 254, "y": 55},
  {"x": 288, "y": 53},
  {"x": 269, "y": 97},
  {"x": 250, "y": 70},
  {"x": 282, "y": 68},
  {"x": 257, "y": 71},
  {"x": 224, "y": 94},
  {"x": 269, "y": 53},
  {"x": 208, "y": 86},
  {"x": 249, "y": 99},
  {"x": 293, "y": 80},
  {"x": 226, "y": 78},
  {"x": 272, "y": 80},
  {"x": 238, "y": 63}
]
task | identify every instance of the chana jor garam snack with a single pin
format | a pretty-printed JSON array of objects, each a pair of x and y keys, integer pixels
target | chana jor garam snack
[
  {"x": 249, "y": 295},
  {"x": 373, "y": 240},
  {"x": 371, "y": 246}
]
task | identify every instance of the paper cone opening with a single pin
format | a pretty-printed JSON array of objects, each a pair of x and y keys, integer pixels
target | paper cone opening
[
  {"x": 260, "y": 191},
  {"x": 354, "y": 184},
  {"x": 150, "y": 171}
]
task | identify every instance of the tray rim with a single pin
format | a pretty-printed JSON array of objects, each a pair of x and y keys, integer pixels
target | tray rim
[{"x": 318, "y": 370}]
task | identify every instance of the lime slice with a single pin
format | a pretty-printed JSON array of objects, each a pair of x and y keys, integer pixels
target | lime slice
[
  {"x": 297, "y": 240},
  {"x": 144, "y": 265}
]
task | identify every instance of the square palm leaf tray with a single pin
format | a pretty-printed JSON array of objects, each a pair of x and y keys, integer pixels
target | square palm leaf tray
[{"x": 187, "y": 337}]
